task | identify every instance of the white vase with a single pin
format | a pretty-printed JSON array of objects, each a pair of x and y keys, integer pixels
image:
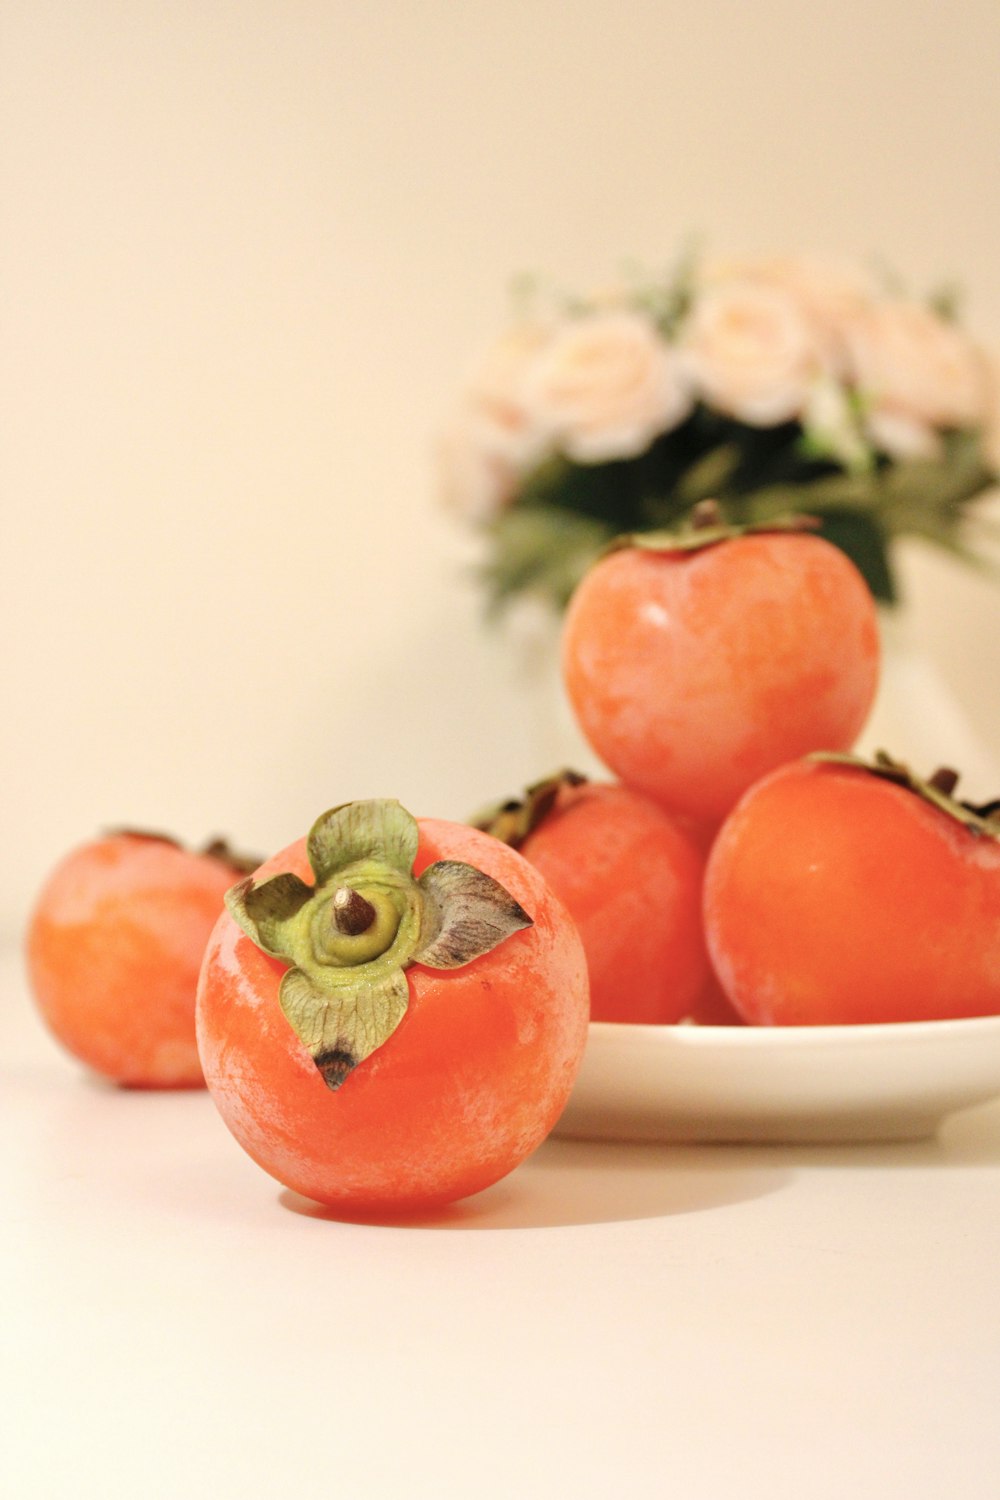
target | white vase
[
  {"x": 918, "y": 718},
  {"x": 532, "y": 635}
]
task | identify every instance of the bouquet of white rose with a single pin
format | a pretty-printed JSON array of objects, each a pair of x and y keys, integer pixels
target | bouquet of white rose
[{"x": 772, "y": 385}]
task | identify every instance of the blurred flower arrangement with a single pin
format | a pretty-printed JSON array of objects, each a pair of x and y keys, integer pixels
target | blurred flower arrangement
[{"x": 774, "y": 385}]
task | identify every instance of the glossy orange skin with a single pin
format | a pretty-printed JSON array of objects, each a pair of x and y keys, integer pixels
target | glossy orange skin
[
  {"x": 694, "y": 674},
  {"x": 832, "y": 896},
  {"x": 631, "y": 878},
  {"x": 470, "y": 1082},
  {"x": 114, "y": 948}
]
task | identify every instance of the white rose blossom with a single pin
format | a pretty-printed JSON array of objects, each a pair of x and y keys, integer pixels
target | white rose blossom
[
  {"x": 901, "y": 436},
  {"x": 766, "y": 340},
  {"x": 477, "y": 476},
  {"x": 828, "y": 294},
  {"x": 607, "y": 385},
  {"x": 917, "y": 373},
  {"x": 493, "y": 438},
  {"x": 750, "y": 352}
]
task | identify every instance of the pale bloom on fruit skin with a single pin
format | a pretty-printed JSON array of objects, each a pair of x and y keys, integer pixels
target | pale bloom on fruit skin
[
  {"x": 607, "y": 385},
  {"x": 750, "y": 352},
  {"x": 493, "y": 438},
  {"x": 917, "y": 373}
]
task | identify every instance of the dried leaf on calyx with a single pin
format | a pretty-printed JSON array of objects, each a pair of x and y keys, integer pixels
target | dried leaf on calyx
[
  {"x": 215, "y": 848},
  {"x": 938, "y": 789},
  {"x": 473, "y": 914},
  {"x": 352, "y": 934},
  {"x": 513, "y": 820}
]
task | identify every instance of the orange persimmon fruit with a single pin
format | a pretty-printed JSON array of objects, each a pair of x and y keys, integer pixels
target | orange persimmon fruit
[
  {"x": 840, "y": 893},
  {"x": 114, "y": 948},
  {"x": 413, "y": 1054},
  {"x": 698, "y": 662},
  {"x": 630, "y": 875}
]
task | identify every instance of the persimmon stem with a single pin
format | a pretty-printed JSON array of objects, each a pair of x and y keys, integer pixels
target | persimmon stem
[
  {"x": 944, "y": 780},
  {"x": 705, "y": 514},
  {"x": 352, "y": 914}
]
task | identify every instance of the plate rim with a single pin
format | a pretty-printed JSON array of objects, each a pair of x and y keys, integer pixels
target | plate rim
[{"x": 697, "y": 1035}]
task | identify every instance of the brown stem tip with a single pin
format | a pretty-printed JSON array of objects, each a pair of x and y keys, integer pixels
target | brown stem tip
[
  {"x": 705, "y": 514},
  {"x": 351, "y": 912},
  {"x": 944, "y": 780}
]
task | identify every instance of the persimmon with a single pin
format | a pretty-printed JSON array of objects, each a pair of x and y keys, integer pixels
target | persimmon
[
  {"x": 630, "y": 875},
  {"x": 697, "y": 662},
  {"x": 114, "y": 948},
  {"x": 842, "y": 893},
  {"x": 391, "y": 1014}
]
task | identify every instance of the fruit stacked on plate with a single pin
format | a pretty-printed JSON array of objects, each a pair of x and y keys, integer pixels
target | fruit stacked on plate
[{"x": 746, "y": 866}]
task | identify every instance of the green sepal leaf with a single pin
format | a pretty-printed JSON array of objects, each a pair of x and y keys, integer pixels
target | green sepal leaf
[
  {"x": 263, "y": 911},
  {"x": 467, "y": 914},
  {"x": 379, "y": 830},
  {"x": 543, "y": 550},
  {"x": 342, "y": 1026},
  {"x": 697, "y": 535}
]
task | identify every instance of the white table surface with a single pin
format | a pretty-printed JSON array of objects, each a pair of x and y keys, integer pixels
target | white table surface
[{"x": 610, "y": 1321}]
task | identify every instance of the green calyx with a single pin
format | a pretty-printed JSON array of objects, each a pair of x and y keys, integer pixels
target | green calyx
[
  {"x": 939, "y": 789},
  {"x": 705, "y": 526},
  {"x": 350, "y": 936},
  {"x": 513, "y": 820}
]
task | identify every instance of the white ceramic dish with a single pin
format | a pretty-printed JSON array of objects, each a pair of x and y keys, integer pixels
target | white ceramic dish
[{"x": 790, "y": 1084}]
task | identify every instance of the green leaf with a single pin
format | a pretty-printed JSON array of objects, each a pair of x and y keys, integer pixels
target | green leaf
[
  {"x": 356, "y": 832},
  {"x": 468, "y": 914},
  {"x": 541, "y": 550},
  {"x": 342, "y": 1026},
  {"x": 865, "y": 543},
  {"x": 709, "y": 475},
  {"x": 565, "y": 512},
  {"x": 946, "y": 300},
  {"x": 835, "y": 491}
]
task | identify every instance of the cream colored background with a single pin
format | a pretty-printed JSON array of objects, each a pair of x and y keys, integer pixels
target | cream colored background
[{"x": 246, "y": 252}]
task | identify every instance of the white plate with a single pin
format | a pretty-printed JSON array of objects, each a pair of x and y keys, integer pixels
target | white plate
[{"x": 794, "y": 1084}]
